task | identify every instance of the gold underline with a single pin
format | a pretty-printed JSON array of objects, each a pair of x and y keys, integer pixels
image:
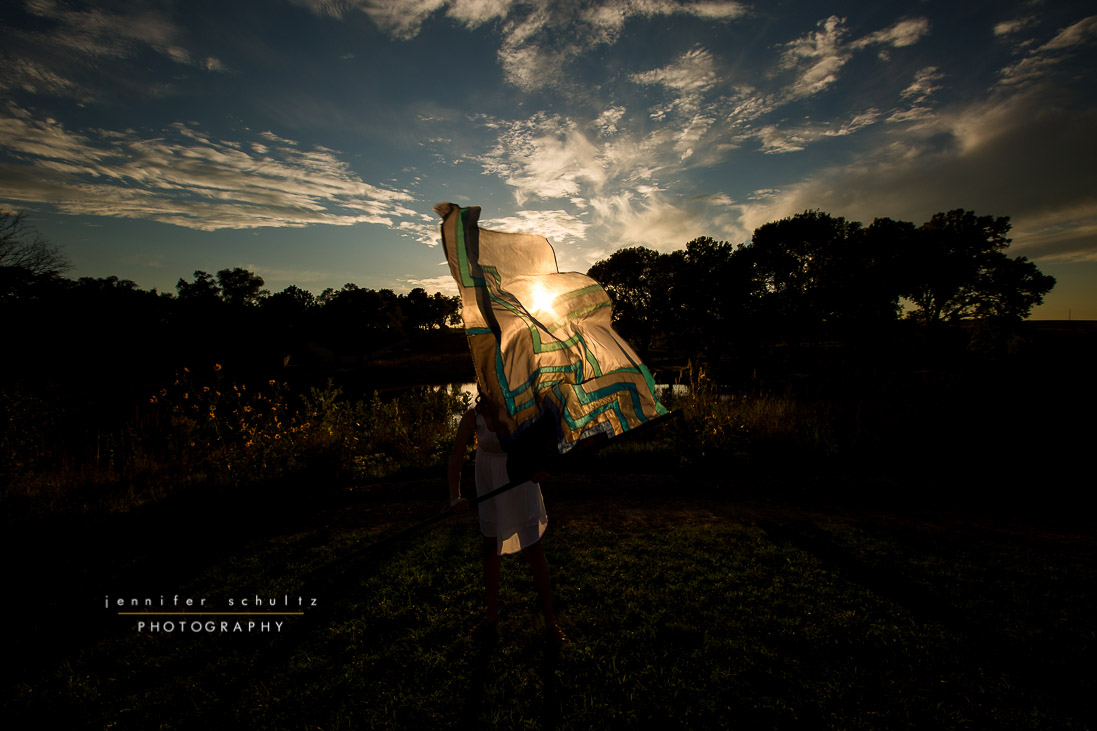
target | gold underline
[{"x": 194, "y": 614}]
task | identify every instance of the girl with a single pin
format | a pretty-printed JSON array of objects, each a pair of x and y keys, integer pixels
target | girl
[{"x": 511, "y": 521}]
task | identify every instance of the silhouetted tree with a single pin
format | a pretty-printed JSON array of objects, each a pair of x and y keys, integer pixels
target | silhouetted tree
[
  {"x": 959, "y": 270},
  {"x": 202, "y": 289},
  {"x": 628, "y": 276},
  {"x": 1010, "y": 288},
  {"x": 28, "y": 263},
  {"x": 450, "y": 309},
  {"x": 814, "y": 268},
  {"x": 416, "y": 308},
  {"x": 887, "y": 245},
  {"x": 947, "y": 266},
  {"x": 291, "y": 302},
  {"x": 22, "y": 247},
  {"x": 107, "y": 284},
  {"x": 428, "y": 312},
  {"x": 715, "y": 286},
  {"x": 239, "y": 287},
  {"x": 357, "y": 319},
  {"x": 442, "y": 310}
]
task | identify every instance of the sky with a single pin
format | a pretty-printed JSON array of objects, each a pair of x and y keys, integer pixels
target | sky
[{"x": 308, "y": 140}]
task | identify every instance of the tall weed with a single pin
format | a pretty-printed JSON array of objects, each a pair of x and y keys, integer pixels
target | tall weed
[
  {"x": 207, "y": 428},
  {"x": 751, "y": 427}
]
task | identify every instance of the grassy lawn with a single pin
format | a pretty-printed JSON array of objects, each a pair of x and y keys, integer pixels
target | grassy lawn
[{"x": 699, "y": 613}]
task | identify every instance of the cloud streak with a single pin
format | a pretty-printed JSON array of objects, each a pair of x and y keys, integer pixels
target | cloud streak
[
  {"x": 538, "y": 39},
  {"x": 817, "y": 58},
  {"x": 186, "y": 178},
  {"x": 992, "y": 144},
  {"x": 1039, "y": 62},
  {"x": 57, "y": 60}
]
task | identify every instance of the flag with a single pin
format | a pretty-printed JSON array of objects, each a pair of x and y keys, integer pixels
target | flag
[{"x": 542, "y": 340}]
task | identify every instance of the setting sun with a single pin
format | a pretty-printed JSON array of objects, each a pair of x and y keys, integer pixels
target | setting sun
[{"x": 542, "y": 299}]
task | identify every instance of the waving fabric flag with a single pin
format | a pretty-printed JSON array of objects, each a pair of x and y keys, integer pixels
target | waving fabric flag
[{"x": 542, "y": 341}]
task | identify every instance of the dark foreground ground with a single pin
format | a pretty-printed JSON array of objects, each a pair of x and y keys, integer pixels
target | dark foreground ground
[{"x": 692, "y": 601}]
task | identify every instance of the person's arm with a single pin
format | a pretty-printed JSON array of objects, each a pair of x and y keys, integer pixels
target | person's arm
[{"x": 465, "y": 431}]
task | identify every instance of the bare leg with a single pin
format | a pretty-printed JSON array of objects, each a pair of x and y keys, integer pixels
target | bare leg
[
  {"x": 539, "y": 566},
  {"x": 491, "y": 578}
]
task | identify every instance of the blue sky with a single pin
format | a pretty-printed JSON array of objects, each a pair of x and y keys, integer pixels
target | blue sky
[{"x": 308, "y": 140}]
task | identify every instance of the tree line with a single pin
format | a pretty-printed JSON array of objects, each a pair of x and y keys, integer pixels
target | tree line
[
  {"x": 816, "y": 275},
  {"x": 99, "y": 326},
  {"x": 808, "y": 276}
]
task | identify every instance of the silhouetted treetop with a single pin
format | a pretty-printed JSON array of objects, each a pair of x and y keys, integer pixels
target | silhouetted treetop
[
  {"x": 22, "y": 247},
  {"x": 813, "y": 272},
  {"x": 202, "y": 289},
  {"x": 29, "y": 264},
  {"x": 959, "y": 270},
  {"x": 239, "y": 287}
]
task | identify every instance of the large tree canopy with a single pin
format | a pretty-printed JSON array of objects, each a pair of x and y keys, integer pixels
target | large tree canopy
[
  {"x": 958, "y": 269},
  {"x": 813, "y": 272}
]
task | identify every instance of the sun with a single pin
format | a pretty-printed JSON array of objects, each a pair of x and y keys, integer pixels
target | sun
[{"x": 542, "y": 300}]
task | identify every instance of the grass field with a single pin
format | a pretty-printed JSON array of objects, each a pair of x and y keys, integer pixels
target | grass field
[
  {"x": 688, "y": 605},
  {"x": 914, "y": 553}
]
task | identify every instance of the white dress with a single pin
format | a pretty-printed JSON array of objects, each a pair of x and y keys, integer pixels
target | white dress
[{"x": 515, "y": 518}]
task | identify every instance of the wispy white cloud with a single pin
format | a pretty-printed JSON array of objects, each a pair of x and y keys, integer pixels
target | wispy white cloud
[
  {"x": 185, "y": 178},
  {"x": 533, "y": 51},
  {"x": 1040, "y": 61},
  {"x": 55, "y": 61},
  {"x": 906, "y": 32},
  {"x": 992, "y": 144},
  {"x": 775, "y": 139},
  {"x": 688, "y": 80},
  {"x": 606, "y": 172},
  {"x": 443, "y": 283},
  {"x": 477, "y": 12},
  {"x": 924, "y": 84},
  {"x": 558, "y": 226},
  {"x": 817, "y": 58},
  {"x": 1078, "y": 34},
  {"x": 658, "y": 220},
  {"x": 424, "y": 230},
  {"x": 607, "y": 120},
  {"x": 1009, "y": 27},
  {"x": 404, "y": 18},
  {"x": 610, "y": 166},
  {"x": 691, "y": 74},
  {"x": 36, "y": 78},
  {"x": 546, "y": 156}
]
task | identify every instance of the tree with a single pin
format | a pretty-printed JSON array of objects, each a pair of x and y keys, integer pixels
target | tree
[
  {"x": 418, "y": 308},
  {"x": 628, "y": 276},
  {"x": 239, "y": 287},
  {"x": 202, "y": 289},
  {"x": 814, "y": 268},
  {"x": 429, "y": 312},
  {"x": 715, "y": 284},
  {"x": 29, "y": 264},
  {"x": 959, "y": 270},
  {"x": 1010, "y": 288},
  {"x": 22, "y": 247},
  {"x": 358, "y": 319},
  {"x": 290, "y": 302},
  {"x": 448, "y": 309},
  {"x": 887, "y": 244}
]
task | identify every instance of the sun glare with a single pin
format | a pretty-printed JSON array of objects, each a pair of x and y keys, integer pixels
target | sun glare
[{"x": 542, "y": 300}]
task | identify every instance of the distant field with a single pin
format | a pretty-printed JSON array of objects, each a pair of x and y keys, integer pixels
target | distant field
[{"x": 689, "y": 605}]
